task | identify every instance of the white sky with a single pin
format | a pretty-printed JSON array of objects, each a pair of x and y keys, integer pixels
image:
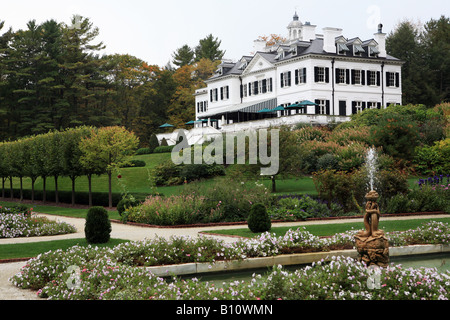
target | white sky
[{"x": 153, "y": 30}]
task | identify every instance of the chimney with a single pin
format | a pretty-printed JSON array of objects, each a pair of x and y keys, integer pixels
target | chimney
[
  {"x": 259, "y": 45},
  {"x": 329, "y": 39},
  {"x": 308, "y": 32},
  {"x": 380, "y": 38}
]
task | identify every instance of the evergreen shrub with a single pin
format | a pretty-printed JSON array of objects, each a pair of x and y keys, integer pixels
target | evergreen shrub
[
  {"x": 258, "y": 219},
  {"x": 98, "y": 226}
]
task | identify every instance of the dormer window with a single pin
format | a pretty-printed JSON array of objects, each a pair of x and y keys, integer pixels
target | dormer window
[
  {"x": 280, "y": 55},
  {"x": 342, "y": 48},
  {"x": 358, "y": 50},
  {"x": 373, "y": 51},
  {"x": 219, "y": 71},
  {"x": 243, "y": 66}
]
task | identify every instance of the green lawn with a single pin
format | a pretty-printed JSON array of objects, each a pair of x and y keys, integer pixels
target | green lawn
[
  {"x": 62, "y": 211},
  {"x": 323, "y": 230},
  {"x": 29, "y": 250},
  {"x": 136, "y": 180}
]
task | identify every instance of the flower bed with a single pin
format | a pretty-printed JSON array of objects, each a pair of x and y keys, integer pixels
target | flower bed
[
  {"x": 14, "y": 224},
  {"x": 115, "y": 273}
]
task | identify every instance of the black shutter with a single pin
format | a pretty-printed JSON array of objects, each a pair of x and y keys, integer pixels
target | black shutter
[
  {"x": 388, "y": 79},
  {"x": 289, "y": 78},
  {"x": 216, "y": 92},
  {"x": 378, "y": 105},
  {"x": 221, "y": 93},
  {"x": 228, "y": 92},
  {"x": 211, "y": 95},
  {"x": 378, "y": 78},
  {"x": 282, "y": 80},
  {"x": 363, "y": 77},
  {"x": 327, "y": 105},
  {"x": 304, "y": 75},
  {"x": 353, "y": 77},
  {"x": 348, "y": 75},
  {"x": 317, "y": 107},
  {"x": 337, "y": 75},
  {"x": 354, "y": 107},
  {"x": 255, "y": 84},
  {"x": 297, "y": 81},
  {"x": 264, "y": 86},
  {"x": 242, "y": 91},
  {"x": 316, "y": 74},
  {"x": 327, "y": 75},
  {"x": 271, "y": 84},
  {"x": 249, "y": 89},
  {"x": 397, "y": 80},
  {"x": 364, "y": 106}
]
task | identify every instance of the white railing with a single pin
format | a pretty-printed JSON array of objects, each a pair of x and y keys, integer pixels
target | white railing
[{"x": 282, "y": 121}]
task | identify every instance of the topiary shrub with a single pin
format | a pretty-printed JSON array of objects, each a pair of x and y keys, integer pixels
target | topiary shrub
[
  {"x": 258, "y": 219},
  {"x": 98, "y": 227},
  {"x": 153, "y": 143}
]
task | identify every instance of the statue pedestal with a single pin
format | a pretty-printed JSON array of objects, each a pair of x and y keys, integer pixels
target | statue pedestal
[{"x": 373, "y": 250}]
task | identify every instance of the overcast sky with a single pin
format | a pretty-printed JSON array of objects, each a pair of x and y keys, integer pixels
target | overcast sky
[{"x": 153, "y": 30}]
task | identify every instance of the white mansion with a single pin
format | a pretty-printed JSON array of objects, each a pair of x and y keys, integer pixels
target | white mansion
[{"x": 308, "y": 78}]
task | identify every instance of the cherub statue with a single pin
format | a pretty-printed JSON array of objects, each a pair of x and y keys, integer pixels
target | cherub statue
[{"x": 372, "y": 216}]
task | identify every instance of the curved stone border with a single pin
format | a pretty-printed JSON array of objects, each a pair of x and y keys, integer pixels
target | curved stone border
[{"x": 285, "y": 260}]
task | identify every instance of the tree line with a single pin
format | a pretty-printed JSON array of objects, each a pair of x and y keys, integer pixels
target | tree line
[
  {"x": 52, "y": 77},
  {"x": 425, "y": 49},
  {"x": 75, "y": 152}
]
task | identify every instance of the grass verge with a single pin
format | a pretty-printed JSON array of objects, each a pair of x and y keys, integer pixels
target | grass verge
[
  {"x": 324, "y": 230},
  {"x": 33, "y": 249}
]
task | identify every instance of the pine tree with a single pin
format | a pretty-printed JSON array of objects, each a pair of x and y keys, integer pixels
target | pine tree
[
  {"x": 183, "y": 56},
  {"x": 208, "y": 48}
]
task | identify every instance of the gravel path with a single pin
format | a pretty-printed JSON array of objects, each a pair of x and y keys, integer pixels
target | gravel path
[{"x": 127, "y": 232}]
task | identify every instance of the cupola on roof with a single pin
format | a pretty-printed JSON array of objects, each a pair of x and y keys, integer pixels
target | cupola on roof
[{"x": 295, "y": 22}]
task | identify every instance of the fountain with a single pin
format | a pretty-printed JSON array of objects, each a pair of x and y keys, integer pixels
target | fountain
[{"x": 371, "y": 243}]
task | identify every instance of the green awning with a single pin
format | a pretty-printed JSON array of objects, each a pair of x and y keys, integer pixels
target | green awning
[
  {"x": 307, "y": 103},
  {"x": 265, "y": 111}
]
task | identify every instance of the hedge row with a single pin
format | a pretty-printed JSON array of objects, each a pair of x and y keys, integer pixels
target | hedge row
[{"x": 81, "y": 197}]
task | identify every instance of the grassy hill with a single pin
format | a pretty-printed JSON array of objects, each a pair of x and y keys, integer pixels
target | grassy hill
[{"x": 136, "y": 180}]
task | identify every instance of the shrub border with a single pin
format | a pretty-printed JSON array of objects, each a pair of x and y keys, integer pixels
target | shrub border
[{"x": 203, "y": 225}]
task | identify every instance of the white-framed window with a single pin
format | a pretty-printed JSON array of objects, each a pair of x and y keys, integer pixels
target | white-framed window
[
  {"x": 341, "y": 76},
  {"x": 214, "y": 95},
  {"x": 269, "y": 85},
  {"x": 320, "y": 74},
  {"x": 391, "y": 79},
  {"x": 285, "y": 79},
  {"x": 372, "y": 79},
  {"x": 357, "y": 77},
  {"x": 358, "y": 106},
  {"x": 322, "y": 106},
  {"x": 300, "y": 76},
  {"x": 372, "y": 105}
]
